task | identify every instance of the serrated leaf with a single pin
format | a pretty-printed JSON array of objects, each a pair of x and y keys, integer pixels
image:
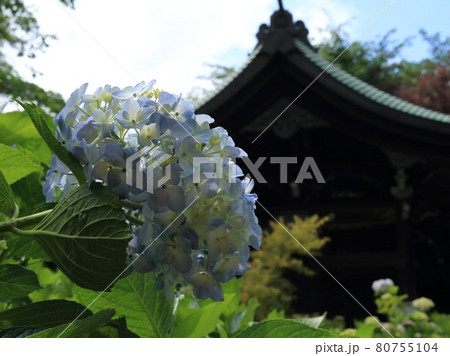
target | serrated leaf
[
  {"x": 147, "y": 311},
  {"x": 16, "y": 281},
  {"x": 79, "y": 327},
  {"x": 6, "y": 194},
  {"x": 284, "y": 328},
  {"x": 55, "y": 146},
  {"x": 15, "y": 165},
  {"x": 46, "y": 314},
  {"x": 20, "y": 331},
  {"x": 86, "y": 236}
]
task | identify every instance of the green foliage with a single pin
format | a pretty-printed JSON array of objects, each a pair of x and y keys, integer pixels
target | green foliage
[
  {"x": 20, "y": 30},
  {"x": 199, "y": 318},
  {"x": 380, "y": 63},
  {"x": 284, "y": 328},
  {"x": 218, "y": 74},
  {"x": 116, "y": 328},
  {"x": 18, "y": 130},
  {"x": 280, "y": 253},
  {"x": 15, "y": 165},
  {"x": 21, "y": 248},
  {"x": 404, "y": 318},
  {"x": 86, "y": 236},
  {"x": 55, "y": 284},
  {"x": 315, "y": 322},
  {"x": 196, "y": 319},
  {"x": 377, "y": 62},
  {"x": 206, "y": 318},
  {"x": 79, "y": 327},
  {"x": 366, "y": 330},
  {"x": 46, "y": 314},
  {"x": 28, "y": 192},
  {"x": 20, "y": 331},
  {"x": 6, "y": 195},
  {"x": 16, "y": 281},
  {"x": 147, "y": 311},
  {"x": 38, "y": 119},
  {"x": 372, "y": 61}
]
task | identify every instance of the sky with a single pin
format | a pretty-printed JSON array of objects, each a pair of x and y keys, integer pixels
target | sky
[{"x": 121, "y": 42}]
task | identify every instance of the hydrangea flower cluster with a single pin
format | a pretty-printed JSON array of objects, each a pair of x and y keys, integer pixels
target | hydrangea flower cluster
[
  {"x": 188, "y": 232},
  {"x": 423, "y": 304},
  {"x": 382, "y": 285}
]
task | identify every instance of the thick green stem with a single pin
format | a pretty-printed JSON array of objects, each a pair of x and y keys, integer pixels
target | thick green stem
[{"x": 13, "y": 223}]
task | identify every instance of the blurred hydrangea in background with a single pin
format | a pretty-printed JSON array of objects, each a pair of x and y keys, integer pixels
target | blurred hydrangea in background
[{"x": 382, "y": 285}]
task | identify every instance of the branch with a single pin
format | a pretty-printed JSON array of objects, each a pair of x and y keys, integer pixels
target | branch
[{"x": 11, "y": 224}]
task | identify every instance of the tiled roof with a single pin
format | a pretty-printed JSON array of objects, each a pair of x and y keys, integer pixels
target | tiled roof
[{"x": 368, "y": 90}]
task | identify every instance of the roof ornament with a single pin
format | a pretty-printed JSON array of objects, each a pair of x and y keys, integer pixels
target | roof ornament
[{"x": 282, "y": 26}]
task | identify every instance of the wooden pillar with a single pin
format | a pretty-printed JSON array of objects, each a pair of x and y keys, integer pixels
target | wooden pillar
[{"x": 405, "y": 249}]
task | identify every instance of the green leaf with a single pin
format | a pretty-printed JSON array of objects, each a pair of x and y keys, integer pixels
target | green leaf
[
  {"x": 275, "y": 314},
  {"x": 198, "y": 320},
  {"x": 284, "y": 328},
  {"x": 79, "y": 327},
  {"x": 315, "y": 322},
  {"x": 23, "y": 247},
  {"x": 147, "y": 311},
  {"x": 245, "y": 316},
  {"x": 29, "y": 197},
  {"x": 86, "y": 236},
  {"x": 16, "y": 281},
  {"x": 16, "y": 128},
  {"x": 46, "y": 314},
  {"x": 28, "y": 193},
  {"x": 6, "y": 194},
  {"x": 366, "y": 330},
  {"x": 55, "y": 146},
  {"x": 116, "y": 328},
  {"x": 15, "y": 165},
  {"x": 20, "y": 331}
]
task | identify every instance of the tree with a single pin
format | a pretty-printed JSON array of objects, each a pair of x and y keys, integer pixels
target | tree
[
  {"x": 371, "y": 61},
  {"x": 268, "y": 280},
  {"x": 379, "y": 63},
  {"x": 20, "y": 30},
  {"x": 425, "y": 82},
  {"x": 431, "y": 87},
  {"x": 218, "y": 74}
]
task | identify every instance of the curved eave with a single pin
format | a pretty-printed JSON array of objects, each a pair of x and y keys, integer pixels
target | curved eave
[
  {"x": 367, "y": 96},
  {"x": 343, "y": 85}
]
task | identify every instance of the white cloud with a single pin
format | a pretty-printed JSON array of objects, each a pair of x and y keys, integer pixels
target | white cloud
[{"x": 166, "y": 40}]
